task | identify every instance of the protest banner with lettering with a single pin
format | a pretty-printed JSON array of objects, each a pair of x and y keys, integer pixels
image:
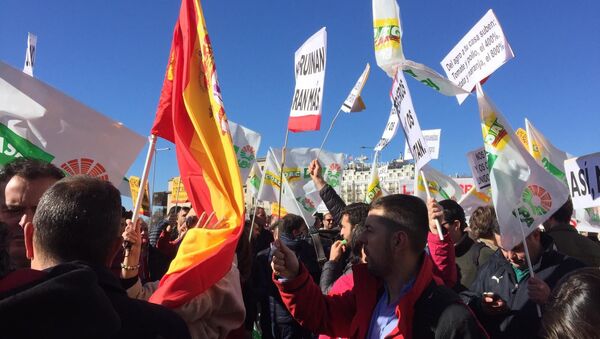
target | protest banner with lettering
[
  {"x": 389, "y": 131},
  {"x": 583, "y": 177},
  {"x": 245, "y": 145},
  {"x": 479, "y": 167},
  {"x": 431, "y": 78},
  {"x": 30, "y": 54},
  {"x": 432, "y": 140},
  {"x": 402, "y": 103},
  {"x": 178, "y": 194},
  {"x": 354, "y": 102},
  {"x": 37, "y": 121},
  {"x": 478, "y": 54},
  {"x": 387, "y": 31},
  {"x": 309, "y": 60},
  {"x": 134, "y": 186}
]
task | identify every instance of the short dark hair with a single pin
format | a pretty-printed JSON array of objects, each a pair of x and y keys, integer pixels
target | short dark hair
[
  {"x": 453, "y": 211},
  {"x": 78, "y": 218},
  {"x": 483, "y": 223},
  {"x": 357, "y": 213},
  {"x": 572, "y": 309},
  {"x": 409, "y": 213},
  {"x": 290, "y": 223},
  {"x": 355, "y": 244},
  {"x": 30, "y": 169},
  {"x": 564, "y": 213},
  {"x": 174, "y": 210}
]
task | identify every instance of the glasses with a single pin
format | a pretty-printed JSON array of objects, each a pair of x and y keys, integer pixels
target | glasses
[{"x": 329, "y": 220}]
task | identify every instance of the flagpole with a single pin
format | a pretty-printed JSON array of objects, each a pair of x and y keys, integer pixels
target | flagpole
[
  {"x": 252, "y": 223},
  {"x": 287, "y": 132},
  {"x": 143, "y": 182},
  {"x": 539, "y": 310},
  {"x": 328, "y": 131},
  {"x": 437, "y": 222}
]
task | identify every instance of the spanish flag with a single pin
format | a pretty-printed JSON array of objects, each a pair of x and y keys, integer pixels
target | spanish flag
[{"x": 191, "y": 115}]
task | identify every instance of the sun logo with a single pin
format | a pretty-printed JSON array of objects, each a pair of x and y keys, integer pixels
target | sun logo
[{"x": 85, "y": 166}]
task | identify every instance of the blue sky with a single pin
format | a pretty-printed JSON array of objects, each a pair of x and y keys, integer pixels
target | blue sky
[{"x": 111, "y": 55}]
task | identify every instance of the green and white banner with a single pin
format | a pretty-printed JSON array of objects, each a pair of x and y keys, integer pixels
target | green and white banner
[{"x": 245, "y": 144}]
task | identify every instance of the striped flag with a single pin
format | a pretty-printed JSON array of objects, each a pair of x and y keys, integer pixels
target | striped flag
[{"x": 190, "y": 114}]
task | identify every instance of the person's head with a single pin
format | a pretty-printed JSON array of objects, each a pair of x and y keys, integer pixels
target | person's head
[
  {"x": 395, "y": 232},
  {"x": 26, "y": 181},
  {"x": 516, "y": 255},
  {"x": 483, "y": 222},
  {"x": 572, "y": 310},
  {"x": 261, "y": 217},
  {"x": 78, "y": 218},
  {"x": 356, "y": 246},
  {"x": 561, "y": 216},
  {"x": 327, "y": 221},
  {"x": 454, "y": 217},
  {"x": 292, "y": 226},
  {"x": 353, "y": 215}
]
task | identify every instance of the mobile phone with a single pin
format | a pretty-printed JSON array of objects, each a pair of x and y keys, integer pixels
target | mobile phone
[{"x": 492, "y": 295}]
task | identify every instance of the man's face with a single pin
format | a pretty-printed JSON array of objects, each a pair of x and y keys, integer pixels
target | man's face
[
  {"x": 328, "y": 221},
  {"x": 181, "y": 217},
  {"x": 21, "y": 198},
  {"x": 377, "y": 246},
  {"x": 516, "y": 256},
  {"x": 346, "y": 230}
]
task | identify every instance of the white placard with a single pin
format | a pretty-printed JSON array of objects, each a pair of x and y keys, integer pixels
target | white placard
[
  {"x": 310, "y": 61},
  {"x": 432, "y": 139},
  {"x": 353, "y": 102},
  {"x": 583, "y": 177},
  {"x": 30, "y": 54},
  {"x": 402, "y": 103},
  {"x": 479, "y": 167},
  {"x": 390, "y": 130},
  {"x": 478, "y": 54}
]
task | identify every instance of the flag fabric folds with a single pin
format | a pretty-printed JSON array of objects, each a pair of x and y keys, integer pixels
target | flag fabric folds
[
  {"x": 374, "y": 190},
  {"x": 441, "y": 186},
  {"x": 254, "y": 180},
  {"x": 473, "y": 199},
  {"x": 190, "y": 114},
  {"x": 542, "y": 150},
  {"x": 245, "y": 144},
  {"x": 354, "y": 102},
  {"x": 523, "y": 193}
]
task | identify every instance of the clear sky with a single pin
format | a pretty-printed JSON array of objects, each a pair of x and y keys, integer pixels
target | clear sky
[{"x": 111, "y": 55}]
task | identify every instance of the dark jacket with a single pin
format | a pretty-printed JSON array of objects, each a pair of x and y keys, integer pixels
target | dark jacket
[
  {"x": 498, "y": 276},
  {"x": 139, "y": 318},
  {"x": 470, "y": 255},
  {"x": 332, "y": 270},
  {"x": 570, "y": 242},
  {"x": 335, "y": 204},
  {"x": 437, "y": 311},
  {"x": 62, "y": 302}
]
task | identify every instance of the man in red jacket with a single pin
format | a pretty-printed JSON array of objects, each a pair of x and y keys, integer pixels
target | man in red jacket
[{"x": 395, "y": 295}]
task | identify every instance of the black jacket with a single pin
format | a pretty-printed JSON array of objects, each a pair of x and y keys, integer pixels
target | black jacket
[
  {"x": 335, "y": 204},
  {"x": 573, "y": 244},
  {"x": 498, "y": 276},
  {"x": 62, "y": 302}
]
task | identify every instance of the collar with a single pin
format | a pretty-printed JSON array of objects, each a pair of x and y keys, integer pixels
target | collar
[{"x": 463, "y": 245}]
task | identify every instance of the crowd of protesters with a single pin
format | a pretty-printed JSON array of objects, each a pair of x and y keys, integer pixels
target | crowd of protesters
[{"x": 361, "y": 271}]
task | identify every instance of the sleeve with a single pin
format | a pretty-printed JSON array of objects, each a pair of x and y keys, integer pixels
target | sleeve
[
  {"x": 335, "y": 204},
  {"x": 443, "y": 257},
  {"x": 142, "y": 292},
  {"x": 329, "y": 315},
  {"x": 332, "y": 270}
]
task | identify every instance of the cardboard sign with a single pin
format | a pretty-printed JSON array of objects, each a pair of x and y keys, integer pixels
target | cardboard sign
[
  {"x": 432, "y": 139},
  {"x": 583, "y": 178},
  {"x": 478, "y": 54},
  {"x": 479, "y": 167}
]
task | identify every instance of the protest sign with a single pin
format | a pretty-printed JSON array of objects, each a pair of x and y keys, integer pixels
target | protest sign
[
  {"x": 389, "y": 131},
  {"x": 402, "y": 103},
  {"x": 432, "y": 140},
  {"x": 354, "y": 102},
  {"x": 178, "y": 193},
  {"x": 309, "y": 60},
  {"x": 583, "y": 177},
  {"x": 387, "y": 35},
  {"x": 134, "y": 186},
  {"x": 30, "y": 54},
  {"x": 478, "y": 54},
  {"x": 245, "y": 145},
  {"x": 479, "y": 167},
  {"x": 431, "y": 78}
]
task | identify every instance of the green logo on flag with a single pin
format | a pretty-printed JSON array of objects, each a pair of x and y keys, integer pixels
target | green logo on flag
[
  {"x": 255, "y": 182},
  {"x": 13, "y": 146},
  {"x": 555, "y": 171},
  {"x": 332, "y": 176},
  {"x": 245, "y": 155}
]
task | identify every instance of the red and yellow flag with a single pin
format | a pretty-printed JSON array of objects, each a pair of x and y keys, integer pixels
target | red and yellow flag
[{"x": 191, "y": 115}]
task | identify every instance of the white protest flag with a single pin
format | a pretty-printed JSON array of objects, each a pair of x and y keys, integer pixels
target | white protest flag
[
  {"x": 254, "y": 180},
  {"x": 245, "y": 145},
  {"x": 473, "y": 199},
  {"x": 30, "y": 54},
  {"x": 431, "y": 78},
  {"x": 390, "y": 130},
  {"x": 479, "y": 167},
  {"x": 374, "y": 190},
  {"x": 478, "y": 54},
  {"x": 441, "y": 186},
  {"x": 354, "y": 102},
  {"x": 542, "y": 150},
  {"x": 402, "y": 103},
  {"x": 38, "y": 121},
  {"x": 310, "y": 60},
  {"x": 523, "y": 193},
  {"x": 387, "y": 31},
  {"x": 432, "y": 140}
]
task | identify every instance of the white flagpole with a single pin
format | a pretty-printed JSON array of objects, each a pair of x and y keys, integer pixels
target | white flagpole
[
  {"x": 143, "y": 182},
  {"x": 252, "y": 223},
  {"x": 437, "y": 222},
  {"x": 539, "y": 310},
  {"x": 328, "y": 131},
  {"x": 283, "y": 151}
]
